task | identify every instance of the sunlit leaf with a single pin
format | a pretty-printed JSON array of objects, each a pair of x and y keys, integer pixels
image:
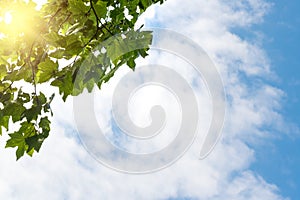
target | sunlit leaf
[{"x": 46, "y": 70}]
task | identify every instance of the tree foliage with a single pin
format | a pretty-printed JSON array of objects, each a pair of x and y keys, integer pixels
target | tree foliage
[{"x": 33, "y": 41}]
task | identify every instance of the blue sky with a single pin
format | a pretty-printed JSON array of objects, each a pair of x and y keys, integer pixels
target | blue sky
[
  {"x": 254, "y": 45},
  {"x": 279, "y": 160}
]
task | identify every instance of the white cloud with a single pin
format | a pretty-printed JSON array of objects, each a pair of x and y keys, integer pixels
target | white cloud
[{"x": 64, "y": 170}]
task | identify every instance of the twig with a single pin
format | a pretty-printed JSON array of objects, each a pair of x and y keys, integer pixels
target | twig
[{"x": 98, "y": 19}]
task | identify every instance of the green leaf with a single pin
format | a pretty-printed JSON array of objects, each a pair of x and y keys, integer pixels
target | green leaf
[
  {"x": 20, "y": 151},
  {"x": 65, "y": 85},
  {"x": 16, "y": 139},
  {"x": 78, "y": 7},
  {"x": 110, "y": 74},
  {"x": 23, "y": 97},
  {"x": 53, "y": 38},
  {"x": 25, "y": 73},
  {"x": 34, "y": 143},
  {"x": 5, "y": 97},
  {"x": 131, "y": 63},
  {"x": 4, "y": 121},
  {"x": 3, "y": 71},
  {"x": 13, "y": 76},
  {"x": 46, "y": 70},
  {"x": 27, "y": 129},
  {"x": 30, "y": 152},
  {"x": 143, "y": 52},
  {"x": 146, "y": 3},
  {"x": 41, "y": 99},
  {"x": 101, "y": 9},
  {"x": 45, "y": 124},
  {"x": 58, "y": 54},
  {"x": 32, "y": 113},
  {"x": 74, "y": 48},
  {"x": 15, "y": 110}
]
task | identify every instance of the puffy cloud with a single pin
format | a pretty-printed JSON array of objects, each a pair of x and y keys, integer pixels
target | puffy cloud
[{"x": 64, "y": 170}]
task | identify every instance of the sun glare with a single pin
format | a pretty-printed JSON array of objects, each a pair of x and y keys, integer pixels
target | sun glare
[
  {"x": 19, "y": 19},
  {"x": 7, "y": 18}
]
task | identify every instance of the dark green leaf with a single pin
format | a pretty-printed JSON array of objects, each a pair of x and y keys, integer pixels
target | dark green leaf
[
  {"x": 64, "y": 84},
  {"x": 20, "y": 151},
  {"x": 34, "y": 142},
  {"x": 15, "y": 110},
  {"x": 32, "y": 113}
]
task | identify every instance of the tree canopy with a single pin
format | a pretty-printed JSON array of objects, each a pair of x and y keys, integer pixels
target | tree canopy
[{"x": 32, "y": 41}]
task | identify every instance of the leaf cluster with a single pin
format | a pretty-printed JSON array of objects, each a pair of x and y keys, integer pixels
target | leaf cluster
[{"x": 96, "y": 36}]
